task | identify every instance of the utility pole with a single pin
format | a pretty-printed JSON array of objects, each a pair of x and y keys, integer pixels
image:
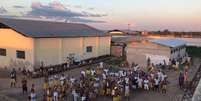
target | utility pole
[{"x": 128, "y": 28}]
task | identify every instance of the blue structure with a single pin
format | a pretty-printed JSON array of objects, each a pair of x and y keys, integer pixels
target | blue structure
[{"x": 169, "y": 42}]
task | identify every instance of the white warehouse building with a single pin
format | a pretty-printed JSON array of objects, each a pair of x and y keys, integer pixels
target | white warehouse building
[
  {"x": 157, "y": 50},
  {"x": 27, "y": 43}
]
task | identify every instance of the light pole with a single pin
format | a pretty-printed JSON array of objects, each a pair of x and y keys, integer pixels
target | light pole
[{"x": 128, "y": 28}]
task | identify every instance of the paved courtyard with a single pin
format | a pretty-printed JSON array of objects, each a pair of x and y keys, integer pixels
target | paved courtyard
[{"x": 173, "y": 93}]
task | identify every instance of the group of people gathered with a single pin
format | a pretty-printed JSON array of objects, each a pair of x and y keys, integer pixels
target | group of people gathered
[
  {"x": 97, "y": 82},
  {"x": 101, "y": 81}
]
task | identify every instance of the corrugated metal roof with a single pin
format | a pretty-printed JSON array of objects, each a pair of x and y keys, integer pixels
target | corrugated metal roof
[
  {"x": 124, "y": 38},
  {"x": 38, "y": 29},
  {"x": 169, "y": 42}
]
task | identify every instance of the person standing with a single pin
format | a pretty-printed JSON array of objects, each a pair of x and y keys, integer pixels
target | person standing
[
  {"x": 185, "y": 78},
  {"x": 45, "y": 84},
  {"x": 33, "y": 96},
  {"x": 49, "y": 94},
  {"x": 181, "y": 80},
  {"x": 146, "y": 84},
  {"x": 62, "y": 79},
  {"x": 13, "y": 76},
  {"x": 32, "y": 87},
  {"x": 24, "y": 85},
  {"x": 115, "y": 95},
  {"x": 164, "y": 86},
  {"x": 55, "y": 94},
  {"x": 127, "y": 92},
  {"x": 156, "y": 84}
]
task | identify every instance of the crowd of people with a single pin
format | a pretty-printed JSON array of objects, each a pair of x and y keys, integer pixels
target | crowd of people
[
  {"x": 103, "y": 82},
  {"x": 100, "y": 81}
]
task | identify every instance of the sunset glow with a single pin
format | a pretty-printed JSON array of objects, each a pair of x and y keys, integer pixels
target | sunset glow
[{"x": 176, "y": 15}]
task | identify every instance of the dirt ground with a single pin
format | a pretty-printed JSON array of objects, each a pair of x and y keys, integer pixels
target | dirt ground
[{"x": 173, "y": 93}]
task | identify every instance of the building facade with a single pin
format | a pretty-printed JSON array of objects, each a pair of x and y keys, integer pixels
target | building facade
[
  {"x": 28, "y": 43},
  {"x": 157, "y": 50}
]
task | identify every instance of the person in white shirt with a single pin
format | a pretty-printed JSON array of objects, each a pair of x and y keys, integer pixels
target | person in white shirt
[
  {"x": 55, "y": 95},
  {"x": 126, "y": 80},
  {"x": 127, "y": 92},
  {"x": 83, "y": 73},
  {"x": 146, "y": 84},
  {"x": 62, "y": 79},
  {"x": 140, "y": 81},
  {"x": 124, "y": 73},
  {"x": 136, "y": 68},
  {"x": 104, "y": 76},
  {"x": 156, "y": 83},
  {"x": 106, "y": 71},
  {"x": 93, "y": 72},
  {"x": 101, "y": 64},
  {"x": 83, "y": 98},
  {"x": 75, "y": 95},
  {"x": 72, "y": 81},
  {"x": 159, "y": 75},
  {"x": 121, "y": 73},
  {"x": 33, "y": 96},
  {"x": 163, "y": 76}
]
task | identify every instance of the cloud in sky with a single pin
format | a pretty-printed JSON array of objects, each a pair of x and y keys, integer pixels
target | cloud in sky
[
  {"x": 59, "y": 10},
  {"x": 3, "y": 10}
]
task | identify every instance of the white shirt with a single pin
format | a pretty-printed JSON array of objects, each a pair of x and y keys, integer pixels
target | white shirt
[
  {"x": 156, "y": 81},
  {"x": 33, "y": 96},
  {"x": 146, "y": 81},
  {"x": 121, "y": 73},
  {"x": 55, "y": 94},
  {"x": 72, "y": 80},
  {"x": 163, "y": 77},
  {"x": 136, "y": 68},
  {"x": 83, "y": 73},
  {"x": 139, "y": 81},
  {"x": 127, "y": 89},
  {"x": 83, "y": 98},
  {"x": 104, "y": 76},
  {"x": 101, "y": 64},
  {"x": 93, "y": 72},
  {"x": 62, "y": 78},
  {"x": 159, "y": 75},
  {"x": 127, "y": 80},
  {"x": 106, "y": 71}
]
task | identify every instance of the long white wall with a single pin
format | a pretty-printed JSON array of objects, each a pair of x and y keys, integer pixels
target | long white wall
[
  {"x": 47, "y": 50},
  {"x": 53, "y": 51},
  {"x": 12, "y": 41}
]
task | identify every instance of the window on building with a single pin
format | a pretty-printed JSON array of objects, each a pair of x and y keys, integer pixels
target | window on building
[
  {"x": 89, "y": 49},
  {"x": 20, "y": 54},
  {"x": 2, "y": 52}
]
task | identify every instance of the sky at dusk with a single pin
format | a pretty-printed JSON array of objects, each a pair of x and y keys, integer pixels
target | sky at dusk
[{"x": 175, "y": 15}]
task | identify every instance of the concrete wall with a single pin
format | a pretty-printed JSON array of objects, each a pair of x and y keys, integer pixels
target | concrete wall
[
  {"x": 53, "y": 51},
  {"x": 90, "y": 41},
  {"x": 12, "y": 41},
  {"x": 136, "y": 51},
  {"x": 72, "y": 46},
  {"x": 104, "y": 45},
  {"x": 47, "y": 50}
]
